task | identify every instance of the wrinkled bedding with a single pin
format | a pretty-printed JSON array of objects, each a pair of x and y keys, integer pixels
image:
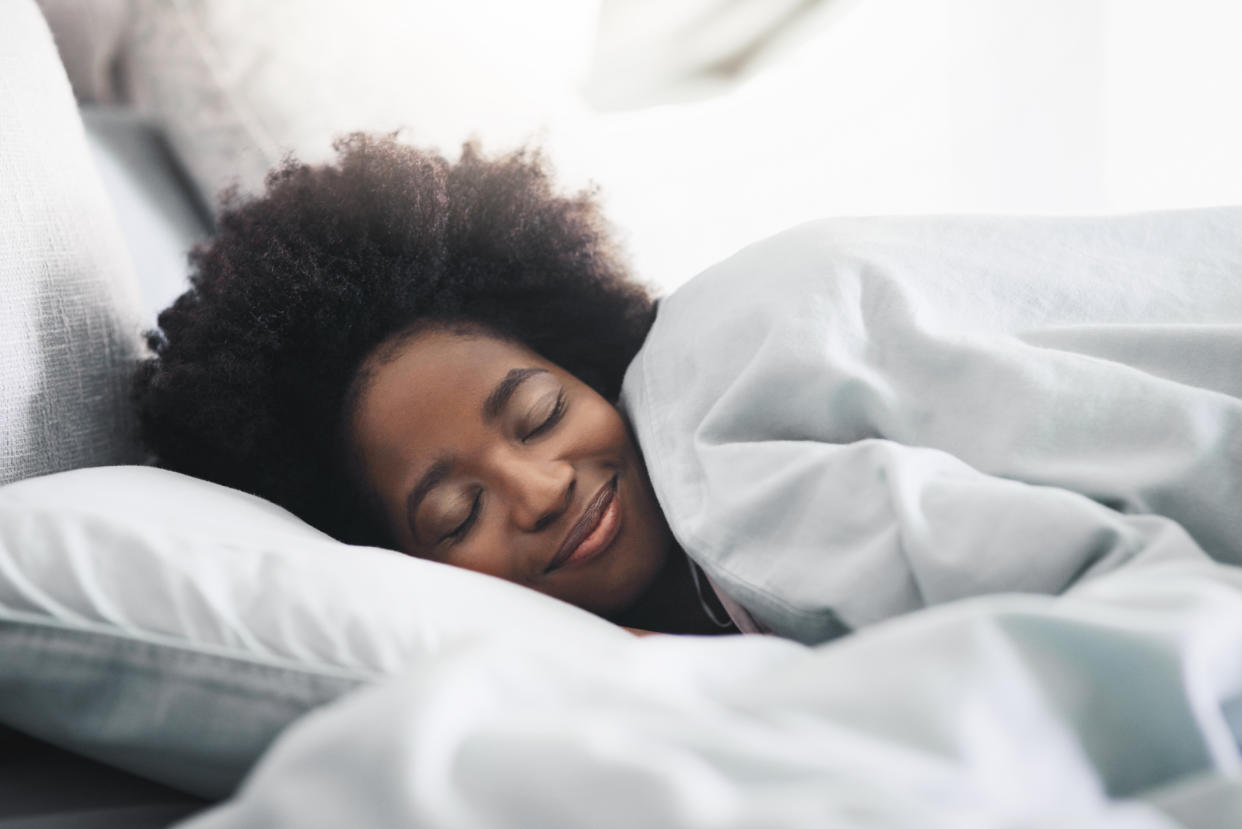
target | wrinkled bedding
[
  {"x": 862, "y": 425},
  {"x": 858, "y": 418},
  {"x": 1119, "y": 705}
]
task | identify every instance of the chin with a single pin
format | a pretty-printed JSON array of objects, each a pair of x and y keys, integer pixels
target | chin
[{"x": 644, "y": 576}]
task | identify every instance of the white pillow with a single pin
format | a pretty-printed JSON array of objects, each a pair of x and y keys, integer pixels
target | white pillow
[
  {"x": 173, "y": 627},
  {"x": 236, "y": 84}
]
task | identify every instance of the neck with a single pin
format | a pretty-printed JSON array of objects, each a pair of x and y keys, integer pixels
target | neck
[{"x": 671, "y": 604}]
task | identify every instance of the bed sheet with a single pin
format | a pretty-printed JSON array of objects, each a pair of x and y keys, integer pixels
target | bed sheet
[{"x": 1119, "y": 705}]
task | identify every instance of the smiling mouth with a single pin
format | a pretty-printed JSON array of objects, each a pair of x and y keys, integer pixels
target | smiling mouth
[{"x": 594, "y": 531}]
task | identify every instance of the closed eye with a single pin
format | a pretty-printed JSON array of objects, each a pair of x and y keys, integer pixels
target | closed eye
[
  {"x": 554, "y": 417},
  {"x": 459, "y": 532}
]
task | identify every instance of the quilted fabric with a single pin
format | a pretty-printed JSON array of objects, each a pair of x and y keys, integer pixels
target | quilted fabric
[{"x": 70, "y": 319}]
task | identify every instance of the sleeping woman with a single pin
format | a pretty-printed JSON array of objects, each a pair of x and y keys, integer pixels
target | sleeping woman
[{"x": 449, "y": 359}]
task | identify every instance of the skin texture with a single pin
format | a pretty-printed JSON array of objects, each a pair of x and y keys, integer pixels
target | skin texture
[{"x": 515, "y": 483}]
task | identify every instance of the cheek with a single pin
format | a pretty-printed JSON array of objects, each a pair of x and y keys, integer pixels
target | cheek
[
  {"x": 603, "y": 429},
  {"x": 489, "y": 552}
]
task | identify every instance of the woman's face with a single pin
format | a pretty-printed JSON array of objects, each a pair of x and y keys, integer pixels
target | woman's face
[{"x": 486, "y": 456}]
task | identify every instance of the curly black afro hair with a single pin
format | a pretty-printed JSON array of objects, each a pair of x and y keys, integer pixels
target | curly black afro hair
[{"x": 251, "y": 377}]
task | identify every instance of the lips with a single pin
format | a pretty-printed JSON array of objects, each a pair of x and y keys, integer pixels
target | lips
[{"x": 594, "y": 531}]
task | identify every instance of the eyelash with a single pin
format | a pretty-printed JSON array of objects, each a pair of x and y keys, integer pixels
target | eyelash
[
  {"x": 464, "y": 526},
  {"x": 558, "y": 411}
]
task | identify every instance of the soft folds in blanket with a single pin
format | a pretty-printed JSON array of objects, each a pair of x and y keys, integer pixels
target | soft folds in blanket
[
  {"x": 857, "y": 418},
  {"x": 1116, "y": 707}
]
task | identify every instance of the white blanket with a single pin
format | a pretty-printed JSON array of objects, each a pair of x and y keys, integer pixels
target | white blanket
[
  {"x": 859, "y": 418},
  {"x": 873, "y": 416},
  {"x": 1117, "y": 706}
]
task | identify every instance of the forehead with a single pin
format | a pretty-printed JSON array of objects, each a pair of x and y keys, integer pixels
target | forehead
[
  {"x": 421, "y": 393},
  {"x": 442, "y": 360}
]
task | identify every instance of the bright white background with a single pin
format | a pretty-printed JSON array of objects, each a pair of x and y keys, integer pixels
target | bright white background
[
  {"x": 708, "y": 124},
  {"x": 906, "y": 106}
]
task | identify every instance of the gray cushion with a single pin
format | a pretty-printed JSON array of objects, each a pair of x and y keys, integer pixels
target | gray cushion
[
  {"x": 235, "y": 85},
  {"x": 70, "y": 318},
  {"x": 88, "y": 35},
  {"x": 158, "y": 208}
]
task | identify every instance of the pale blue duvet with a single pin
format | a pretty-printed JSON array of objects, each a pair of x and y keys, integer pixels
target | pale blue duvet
[{"x": 859, "y": 418}]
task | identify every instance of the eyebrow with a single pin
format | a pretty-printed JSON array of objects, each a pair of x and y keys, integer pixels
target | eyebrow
[
  {"x": 499, "y": 398},
  {"x": 438, "y": 471}
]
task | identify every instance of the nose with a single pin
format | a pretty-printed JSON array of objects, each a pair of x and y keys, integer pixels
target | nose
[{"x": 539, "y": 490}]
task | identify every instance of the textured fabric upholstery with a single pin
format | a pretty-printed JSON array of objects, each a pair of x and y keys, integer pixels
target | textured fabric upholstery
[{"x": 70, "y": 319}]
